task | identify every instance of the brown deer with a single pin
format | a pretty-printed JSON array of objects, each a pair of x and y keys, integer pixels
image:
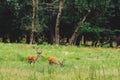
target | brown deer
[
  {"x": 33, "y": 59},
  {"x": 53, "y": 60}
]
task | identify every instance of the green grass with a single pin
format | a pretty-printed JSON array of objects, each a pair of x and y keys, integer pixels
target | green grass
[{"x": 81, "y": 63}]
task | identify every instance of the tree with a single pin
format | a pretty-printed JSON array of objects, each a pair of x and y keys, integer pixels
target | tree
[
  {"x": 57, "y": 26},
  {"x": 33, "y": 21},
  {"x": 85, "y": 8},
  {"x": 9, "y": 20}
]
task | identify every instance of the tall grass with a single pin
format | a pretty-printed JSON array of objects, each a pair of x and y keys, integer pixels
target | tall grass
[{"x": 81, "y": 63}]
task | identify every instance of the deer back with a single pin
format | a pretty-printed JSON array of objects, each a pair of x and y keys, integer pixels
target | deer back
[{"x": 53, "y": 60}]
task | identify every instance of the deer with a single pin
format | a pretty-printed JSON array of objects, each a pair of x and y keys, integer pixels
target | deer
[
  {"x": 54, "y": 60},
  {"x": 33, "y": 59}
]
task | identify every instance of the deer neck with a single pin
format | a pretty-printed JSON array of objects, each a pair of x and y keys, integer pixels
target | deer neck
[{"x": 37, "y": 56}]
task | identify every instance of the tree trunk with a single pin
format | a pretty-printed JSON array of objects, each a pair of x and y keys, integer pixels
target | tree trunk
[
  {"x": 50, "y": 24},
  {"x": 57, "y": 26},
  {"x": 51, "y": 30},
  {"x": 118, "y": 41},
  {"x": 33, "y": 22},
  {"x": 83, "y": 40},
  {"x": 74, "y": 36}
]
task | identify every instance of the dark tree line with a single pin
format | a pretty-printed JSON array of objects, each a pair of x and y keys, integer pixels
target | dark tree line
[{"x": 71, "y": 22}]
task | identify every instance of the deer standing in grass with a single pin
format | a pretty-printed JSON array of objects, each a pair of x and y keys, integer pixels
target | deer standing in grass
[
  {"x": 53, "y": 60},
  {"x": 33, "y": 59}
]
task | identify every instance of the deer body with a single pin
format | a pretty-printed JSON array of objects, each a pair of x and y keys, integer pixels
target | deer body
[
  {"x": 32, "y": 59},
  {"x": 53, "y": 60}
]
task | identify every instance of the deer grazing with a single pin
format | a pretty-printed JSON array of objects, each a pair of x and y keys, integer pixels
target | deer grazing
[
  {"x": 33, "y": 59},
  {"x": 53, "y": 60}
]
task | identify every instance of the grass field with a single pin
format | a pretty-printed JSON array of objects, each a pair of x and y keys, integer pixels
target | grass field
[{"x": 81, "y": 63}]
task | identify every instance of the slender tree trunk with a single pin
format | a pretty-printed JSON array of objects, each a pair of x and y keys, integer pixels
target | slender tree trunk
[
  {"x": 36, "y": 20},
  {"x": 57, "y": 26},
  {"x": 50, "y": 24},
  {"x": 51, "y": 29},
  {"x": 74, "y": 36},
  {"x": 33, "y": 22},
  {"x": 83, "y": 39}
]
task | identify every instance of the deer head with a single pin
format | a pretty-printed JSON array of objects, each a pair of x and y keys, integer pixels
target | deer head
[{"x": 62, "y": 63}]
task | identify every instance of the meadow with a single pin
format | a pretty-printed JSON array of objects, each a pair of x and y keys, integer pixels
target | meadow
[{"x": 81, "y": 63}]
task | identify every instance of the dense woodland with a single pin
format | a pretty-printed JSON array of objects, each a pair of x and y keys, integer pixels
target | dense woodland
[{"x": 72, "y": 22}]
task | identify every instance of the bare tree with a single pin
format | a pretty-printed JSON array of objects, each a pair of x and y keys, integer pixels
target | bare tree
[
  {"x": 74, "y": 36},
  {"x": 57, "y": 26},
  {"x": 33, "y": 21}
]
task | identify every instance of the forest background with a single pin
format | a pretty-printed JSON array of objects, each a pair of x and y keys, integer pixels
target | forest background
[{"x": 67, "y": 22}]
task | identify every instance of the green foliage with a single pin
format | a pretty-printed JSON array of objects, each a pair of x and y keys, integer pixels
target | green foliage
[
  {"x": 45, "y": 43},
  {"x": 87, "y": 27}
]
